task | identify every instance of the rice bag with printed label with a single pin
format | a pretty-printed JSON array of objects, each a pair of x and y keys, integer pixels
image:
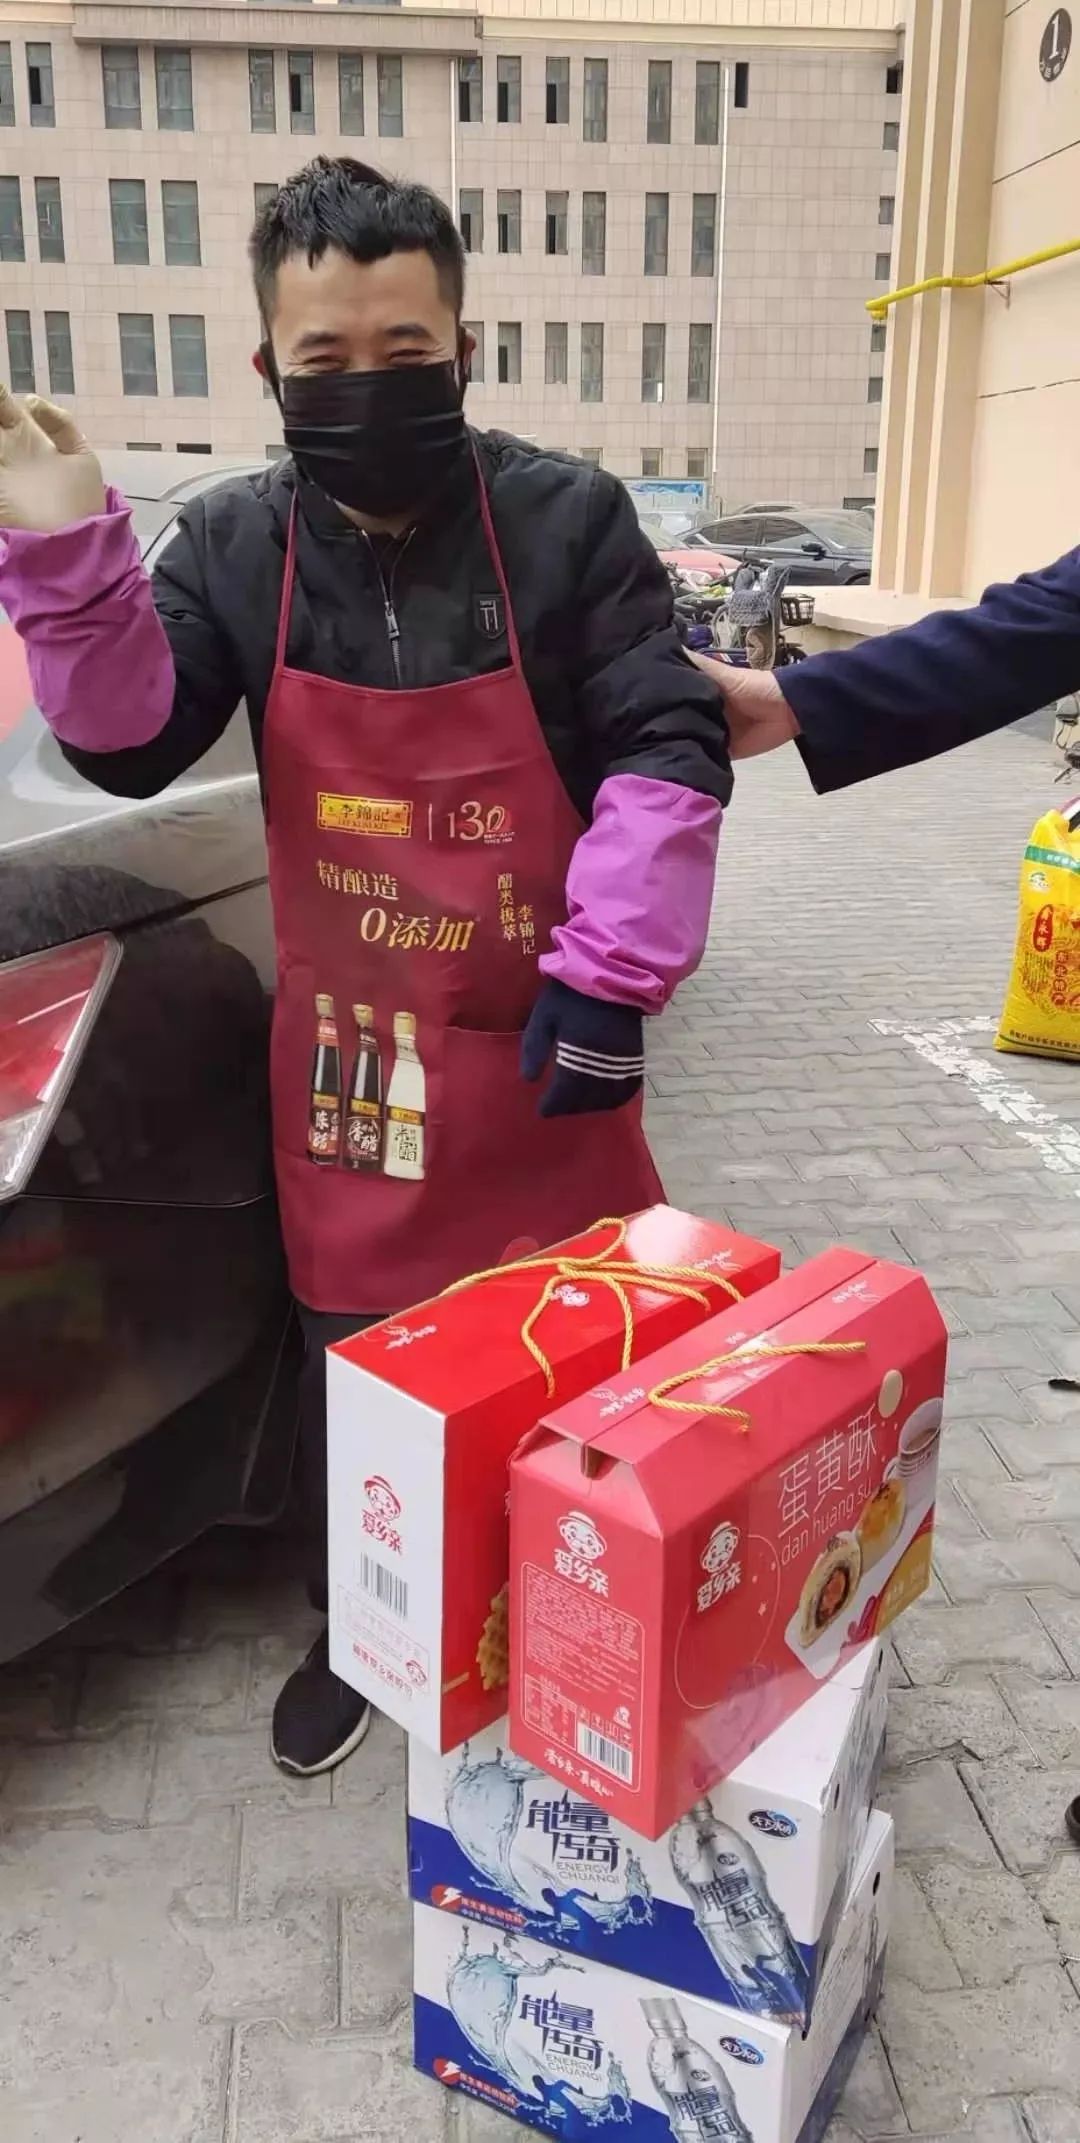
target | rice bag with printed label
[{"x": 1042, "y": 1006}]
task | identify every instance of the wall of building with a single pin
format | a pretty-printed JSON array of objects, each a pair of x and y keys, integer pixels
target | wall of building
[{"x": 800, "y": 185}]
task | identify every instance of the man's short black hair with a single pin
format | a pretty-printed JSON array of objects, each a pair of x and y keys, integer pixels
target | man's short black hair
[{"x": 334, "y": 201}]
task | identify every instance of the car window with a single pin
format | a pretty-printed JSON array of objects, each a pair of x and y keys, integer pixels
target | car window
[
  {"x": 776, "y": 533},
  {"x": 740, "y": 530},
  {"x": 849, "y": 530}
]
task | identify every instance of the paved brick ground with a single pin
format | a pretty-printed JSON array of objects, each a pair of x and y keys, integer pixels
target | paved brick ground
[{"x": 197, "y": 1952}]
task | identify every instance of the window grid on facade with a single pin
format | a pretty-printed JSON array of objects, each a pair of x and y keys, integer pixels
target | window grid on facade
[
  {"x": 20, "y": 352},
  {"x": 699, "y": 364},
  {"x": 58, "y": 352},
  {"x": 656, "y": 233},
  {"x": 890, "y": 138},
  {"x": 12, "y": 237},
  {"x": 874, "y": 387},
  {"x": 180, "y": 218},
  {"x": 175, "y": 99},
  {"x": 302, "y": 92},
  {"x": 509, "y": 349},
  {"x": 556, "y": 223},
  {"x": 653, "y": 350},
  {"x": 266, "y": 190},
  {"x": 50, "y": 219},
  {"x": 658, "y": 107},
  {"x": 508, "y": 90},
  {"x": 557, "y": 92},
  {"x": 7, "y": 85},
  {"x": 886, "y": 207},
  {"x": 650, "y": 461},
  {"x": 475, "y": 328},
  {"x": 593, "y": 233},
  {"x": 741, "y": 85},
  {"x": 695, "y": 463},
  {"x": 707, "y": 102},
  {"x": 703, "y": 235},
  {"x": 391, "y": 94},
  {"x": 471, "y": 218},
  {"x": 509, "y": 215},
  {"x": 187, "y": 343},
  {"x": 592, "y": 360},
  {"x": 591, "y": 456},
  {"x": 39, "y": 83},
  {"x": 894, "y": 79},
  {"x": 138, "y": 357},
  {"x": 470, "y": 90},
  {"x": 869, "y": 460},
  {"x": 556, "y": 353},
  {"x": 261, "y": 96},
  {"x": 594, "y": 104},
  {"x": 120, "y": 84},
  {"x": 130, "y": 227},
  {"x": 882, "y": 264},
  {"x": 350, "y": 81}
]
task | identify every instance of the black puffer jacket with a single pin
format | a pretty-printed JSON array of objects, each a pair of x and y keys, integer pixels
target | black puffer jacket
[{"x": 610, "y": 683}]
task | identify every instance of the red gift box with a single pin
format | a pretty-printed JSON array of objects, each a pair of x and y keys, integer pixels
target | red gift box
[
  {"x": 423, "y": 1414},
  {"x": 694, "y": 1552}
]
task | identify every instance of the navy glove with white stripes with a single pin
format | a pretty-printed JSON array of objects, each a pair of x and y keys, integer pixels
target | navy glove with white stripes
[{"x": 599, "y": 1051}]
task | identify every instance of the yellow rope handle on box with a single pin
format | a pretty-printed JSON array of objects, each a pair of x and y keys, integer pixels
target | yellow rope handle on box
[
  {"x": 659, "y": 1396},
  {"x": 562, "y": 1267}
]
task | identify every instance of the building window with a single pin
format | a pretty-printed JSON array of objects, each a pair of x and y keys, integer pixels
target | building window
[
  {"x": 556, "y": 222},
  {"x": 592, "y": 360},
  {"x": 475, "y": 328},
  {"x": 874, "y": 387},
  {"x": 894, "y": 79},
  {"x": 593, "y": 233},
  {"x": 143, "y": 446},
  {"x": 742, "y": 85},
  {"x": 302, "y": 92},
  {"x": 591, "y": 456},
  {"x": 180, "y": 215},
  {"x": 261, "y": 93},
  {"x": 658, "y": 110},
  {"x": 650, "y": 461},
  {"x": 471, "y": 218},
  {"x": 509, "y": 353},
  {"x": 190, "y": 446},
  {"x": 58, "y": 349},
  {"x": 877, "y": 337},
  {"x": 175, "y": 102},
  {"x": 138, "y": 359},
  {"x": 50, "y": 219},
  {"x": 699, "y": 368},
  {"x": 470, "y": 90},
  {"x": 391, "y": 95},
  {"x": 508, "y": 91},
  {"x": 509, "y": 212},
  {"x": 556, "y": 353},
  {"x": 120, "y": 77},
  {"x": 886, "y": 207},
  {"x": 350, "y": 91},
  {"x": 656, "y": 233},
  {"x": 707, "y": 102},
  {"x": 12, "y": 241},
  {"x": 695, "y": 463},
  {"x": 869, "y": 461},
  {"x": 653, "y": 344},
  {"x": 890, "y": 138},
  {"x": 130, "y": 229},
  {"x": 20, "y": 346},
  {"x": 39, "y": 76},
  {"x": 594, "y": 101},
  {"x": 187, "y": 339},
  {"x": 266, "y": 190},
  {"x": 703, "y": 235},
  {"x": 856, "y": 505},
  {"x": 882, "y": 265},
  {"x": 7, "y": 86},
  {"x": 557, "y": 104}
]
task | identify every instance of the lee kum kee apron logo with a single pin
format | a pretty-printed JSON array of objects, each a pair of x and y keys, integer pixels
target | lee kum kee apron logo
[{"x": 372, "y": 815}]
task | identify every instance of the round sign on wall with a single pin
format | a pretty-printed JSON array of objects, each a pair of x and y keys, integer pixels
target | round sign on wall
[{"x": 1056, "y": 44}]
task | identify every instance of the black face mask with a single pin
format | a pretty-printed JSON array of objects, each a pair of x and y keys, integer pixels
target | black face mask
[{"x": 380, "y": 442}]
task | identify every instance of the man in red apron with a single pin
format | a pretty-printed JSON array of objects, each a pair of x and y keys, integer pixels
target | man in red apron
[{"x": 493, "y": 784}]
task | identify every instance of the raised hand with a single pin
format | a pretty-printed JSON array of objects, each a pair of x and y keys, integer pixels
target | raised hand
[{"x": 49, "y": 477}]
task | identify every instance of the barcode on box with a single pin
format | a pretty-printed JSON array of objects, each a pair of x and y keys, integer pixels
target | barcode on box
[
  {"x": 385, "y": 1586},
  {"x": 609, "y": 1755}
]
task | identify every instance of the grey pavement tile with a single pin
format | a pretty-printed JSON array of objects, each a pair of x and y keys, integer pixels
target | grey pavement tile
[
  {"x": 281, "y": 1964},
  {"x": 38, "y": 1695},
  {"x": 934, "y": 1814},
  {"x": 1059, "y": 1614},
  {"x": 1035, "y": 1447},
  {"x": 377, "y": 1956},
  {"x": 1006, "y": 1631},
  {"x": 917, "y": 1947},
  {"x": 967, "y": 1448},
  {"x": 344, "y": 1851},
  {"x": 118, "y": 1685},
  {"x": 248, "y": 1606},
  {"x": 979, "y": 1569},
  {"x": 107, "y": 1778},
  {"x": 1058, "y": 1893},
  {"x": 1048, "y": 1713},
  {"x": 1051, "y": 2119},
  {"x": 994, "y": 2041},
  {"x": 1046, "y": 1499},
  {"x": 161, "y": 2085},
  {"x": 871, "y": 2101},
  {"x": 989, "y": 1921},
  {"x": 341, "y": 2089},
  {"x": 1024, "y": 1808},
  {"x": 966, "y": 1717},
  {"x": 192, "y": 1769}
]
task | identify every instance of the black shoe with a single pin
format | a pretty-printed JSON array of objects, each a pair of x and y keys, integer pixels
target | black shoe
[{"x": 318, "y": 1719}]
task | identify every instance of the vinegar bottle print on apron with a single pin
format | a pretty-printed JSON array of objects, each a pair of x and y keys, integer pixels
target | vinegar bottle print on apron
[
  {"x": 364, "y": 1122},
  {"x": 324, "y": 1121},
  {"x": 406, "y": 1104}
]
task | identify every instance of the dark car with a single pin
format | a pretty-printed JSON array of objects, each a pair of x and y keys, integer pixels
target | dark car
[
  {"x": 821, "y": 549},
  {"x": 148, "y": 1354}
]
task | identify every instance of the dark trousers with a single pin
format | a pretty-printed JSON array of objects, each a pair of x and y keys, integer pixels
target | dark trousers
[{"x": 322, "y": 1329}]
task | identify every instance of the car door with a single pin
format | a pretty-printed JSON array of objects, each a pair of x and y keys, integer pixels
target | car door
[{"x": 737, "y": 535}]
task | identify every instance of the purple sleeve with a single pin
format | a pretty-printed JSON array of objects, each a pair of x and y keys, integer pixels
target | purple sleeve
[
  {"x": 639, "y": 893},
  {"x": 80, "y": 600}
]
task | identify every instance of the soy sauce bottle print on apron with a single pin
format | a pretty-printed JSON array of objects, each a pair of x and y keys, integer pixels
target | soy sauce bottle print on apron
[
  {"x": 324, "y": 1120},
  {"x": 364, "y": 1120},
  {"x": 406, "y": 1104}
]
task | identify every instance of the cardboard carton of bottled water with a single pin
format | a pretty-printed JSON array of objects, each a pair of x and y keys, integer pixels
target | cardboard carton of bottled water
[
  {"x": 577, "y": 2050},
  {"x": 739, "y": 1902}
]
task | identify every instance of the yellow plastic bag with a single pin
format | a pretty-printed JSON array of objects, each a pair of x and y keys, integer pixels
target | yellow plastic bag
[{"x": 1041, "y": 1017}]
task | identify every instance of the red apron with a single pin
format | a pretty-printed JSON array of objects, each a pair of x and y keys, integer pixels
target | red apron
[{"x": 419, "y": 843}]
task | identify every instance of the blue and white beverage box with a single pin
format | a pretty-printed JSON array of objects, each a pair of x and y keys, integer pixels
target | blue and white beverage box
[
  {"x": 579, "y": 2051},
  {"x": 738, "y": 1903}
]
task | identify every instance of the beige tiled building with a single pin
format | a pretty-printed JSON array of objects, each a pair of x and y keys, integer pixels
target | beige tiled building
[{"x": 676, "y": 210}]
